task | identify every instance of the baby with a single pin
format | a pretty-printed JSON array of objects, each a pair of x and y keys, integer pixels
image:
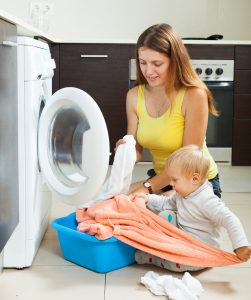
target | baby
[{"x": 194, "y": 207}]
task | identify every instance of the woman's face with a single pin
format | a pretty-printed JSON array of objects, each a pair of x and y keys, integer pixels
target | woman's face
[{"x": 154, "y": 66}]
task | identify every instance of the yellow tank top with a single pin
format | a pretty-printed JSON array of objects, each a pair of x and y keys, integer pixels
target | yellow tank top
[{"x": 163, "y": 135}]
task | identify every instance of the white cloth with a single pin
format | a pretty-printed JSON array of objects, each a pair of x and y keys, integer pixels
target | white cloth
[
  {"x": 202, "y": 214},
  {"x": 187, "y": 288},
  {"x": 121, "y": 172}
]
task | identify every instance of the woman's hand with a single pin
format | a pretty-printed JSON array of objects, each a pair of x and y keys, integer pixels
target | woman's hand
[
  {"x": 119, "y": 142},
  {"x": 243, "y": 253}
]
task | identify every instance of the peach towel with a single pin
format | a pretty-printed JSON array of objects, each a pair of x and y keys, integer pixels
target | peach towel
[{"x": 128, "y": 219}]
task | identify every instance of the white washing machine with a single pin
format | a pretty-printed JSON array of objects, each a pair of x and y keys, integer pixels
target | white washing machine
[
  {"x": 35, "y": 72},
  {"x": 63, "y": 140}
]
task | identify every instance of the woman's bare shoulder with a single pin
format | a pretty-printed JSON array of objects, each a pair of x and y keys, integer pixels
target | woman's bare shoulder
[
  {"x": 132, "y": 95},
  {"x": 194, "y": 98},
  {"x": 133, "y": 92},
  {"x": 195, "y": 93}
]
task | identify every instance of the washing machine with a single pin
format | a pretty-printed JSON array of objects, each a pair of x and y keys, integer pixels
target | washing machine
[
  {"x": 63, "y": 148},
  {"x": 35, "y": 72}
]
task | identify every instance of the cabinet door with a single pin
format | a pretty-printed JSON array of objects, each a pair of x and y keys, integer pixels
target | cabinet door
[
  {"x": 9, "y": 205},
  {"x": 242, "y": 107},
  {"x": 210, "y": 51},
  {"x": 241, "y": 143},
  {"x": 102, "y": 70},
  {"x": 243, "y": 57}
]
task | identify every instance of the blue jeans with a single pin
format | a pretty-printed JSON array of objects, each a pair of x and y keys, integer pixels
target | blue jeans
[
  {"x": 214, "y": 181},
  {"x": 216, "y": 185}
]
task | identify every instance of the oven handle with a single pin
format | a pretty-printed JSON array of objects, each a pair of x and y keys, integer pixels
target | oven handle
[{"x": 219, "y": 85}]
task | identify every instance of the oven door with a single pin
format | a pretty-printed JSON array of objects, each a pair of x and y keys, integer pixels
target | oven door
[{"x": 219, "y": 131}]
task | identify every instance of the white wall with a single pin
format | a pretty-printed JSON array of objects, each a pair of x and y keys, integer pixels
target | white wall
[
  {"x": 234, "y": 19},
  {"x": 117, "y": 20}
]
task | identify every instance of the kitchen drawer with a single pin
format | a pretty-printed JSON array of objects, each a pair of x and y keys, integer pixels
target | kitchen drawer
[
  {"x": 242, "y": 81},
  {"x": 242, "y": 106},
  {"x": 243, "y": 57},
  {"x": 210, "y": 51},
  {"x": 241, "y": 143},
  {"x": 82, "y": 71}
]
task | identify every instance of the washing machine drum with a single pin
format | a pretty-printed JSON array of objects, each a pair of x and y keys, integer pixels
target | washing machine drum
[{"x": 73, "y": 146}]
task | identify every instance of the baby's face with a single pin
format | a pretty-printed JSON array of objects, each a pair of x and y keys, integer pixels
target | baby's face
[{"x": 183, "y": 185}]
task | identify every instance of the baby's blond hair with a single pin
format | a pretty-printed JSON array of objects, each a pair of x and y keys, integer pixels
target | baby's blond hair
[{"x": 190, "y": 159}]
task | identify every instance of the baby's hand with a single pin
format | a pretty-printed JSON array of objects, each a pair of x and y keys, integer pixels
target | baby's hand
[
  {"x": 243, "y": 253},
  {"x": 139, "y": 195}
]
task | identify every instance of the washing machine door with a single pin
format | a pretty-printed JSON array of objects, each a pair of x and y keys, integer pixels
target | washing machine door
[{"x": 73, "y": 146}]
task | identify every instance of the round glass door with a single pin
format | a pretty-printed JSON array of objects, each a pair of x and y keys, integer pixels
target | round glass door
[{"x": 73, "y": 146}]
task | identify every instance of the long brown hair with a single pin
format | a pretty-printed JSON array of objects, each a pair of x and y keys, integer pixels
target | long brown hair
[{"x": 164, "y": 39}]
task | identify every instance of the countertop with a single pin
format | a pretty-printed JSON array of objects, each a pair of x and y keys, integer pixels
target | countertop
[
  {"x": 187, "y": 42},
  {"x": 25, "y": 29}
]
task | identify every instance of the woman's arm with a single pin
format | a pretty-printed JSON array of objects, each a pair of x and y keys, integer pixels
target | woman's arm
[
  {"x": 132, "y": 119},
  {"x": 195, "y": 110}
]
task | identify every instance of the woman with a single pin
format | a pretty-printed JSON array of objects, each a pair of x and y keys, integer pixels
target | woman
[{"x": 169, "y": 105}]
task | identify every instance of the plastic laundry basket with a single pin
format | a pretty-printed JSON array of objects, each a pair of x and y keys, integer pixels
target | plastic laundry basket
[{"x": 89, "y": 252}]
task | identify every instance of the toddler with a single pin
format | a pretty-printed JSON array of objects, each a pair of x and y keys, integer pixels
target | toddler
[{"x": 194, "y": 207}]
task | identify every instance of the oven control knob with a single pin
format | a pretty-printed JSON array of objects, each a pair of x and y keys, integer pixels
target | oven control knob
[
  {"x": 219, "y": 71},
  {"x": 198, "y": 71},
  {"x": 208, "y": 71}
]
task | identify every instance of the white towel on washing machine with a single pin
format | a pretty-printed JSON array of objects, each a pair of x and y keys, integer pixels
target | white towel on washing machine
[{"x": 121, "y": 172}]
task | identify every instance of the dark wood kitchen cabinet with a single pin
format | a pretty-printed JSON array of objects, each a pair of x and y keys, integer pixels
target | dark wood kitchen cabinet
[
  {"x": 102, "y": 70},
  {"x": 9, "y": 196},
  {"x": 210, "y": 51},
  {"x": 242, "y": 107}
]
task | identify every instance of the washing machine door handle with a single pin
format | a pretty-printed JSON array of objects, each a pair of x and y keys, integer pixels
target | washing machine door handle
[{"x": 73, "y": 146}]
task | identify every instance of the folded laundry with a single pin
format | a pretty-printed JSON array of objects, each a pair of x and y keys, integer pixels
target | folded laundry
[{"x": 132, "y": 223}]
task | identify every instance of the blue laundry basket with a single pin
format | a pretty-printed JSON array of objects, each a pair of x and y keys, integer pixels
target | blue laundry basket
[{"x": 89, "y": 252}]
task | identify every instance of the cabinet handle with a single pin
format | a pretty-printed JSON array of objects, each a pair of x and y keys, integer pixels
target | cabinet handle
[
  {"x": 93, "y": 55},
  {"x": 9, "y": 44}
]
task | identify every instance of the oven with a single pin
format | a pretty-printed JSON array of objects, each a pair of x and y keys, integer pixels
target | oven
[{"x": 218, "y": 75}]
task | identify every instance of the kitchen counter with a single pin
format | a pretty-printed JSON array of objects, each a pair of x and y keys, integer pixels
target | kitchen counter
[
  {"x": 217, "y": 42},
  {"x": 187, "y": 42},
  {"x": 25, "y": 29}
]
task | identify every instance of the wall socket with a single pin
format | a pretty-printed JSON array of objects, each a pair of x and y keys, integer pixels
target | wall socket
[{"x": 46, "y": 8}]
